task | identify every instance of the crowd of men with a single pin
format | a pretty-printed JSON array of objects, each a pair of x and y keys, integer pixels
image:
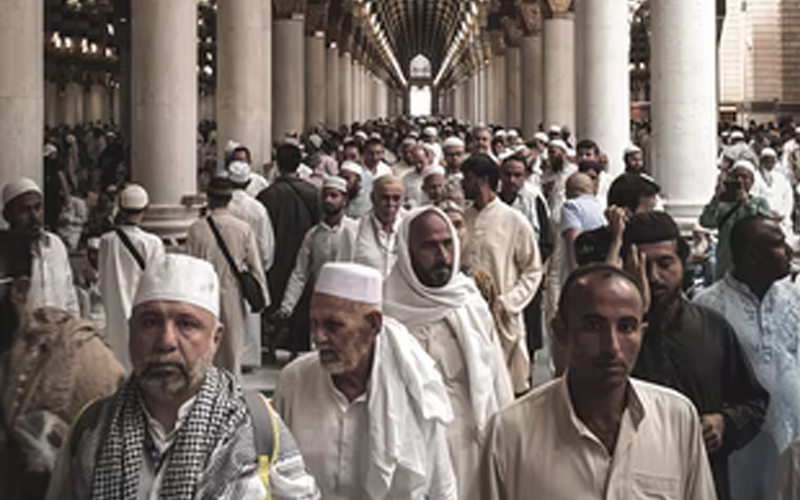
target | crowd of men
[{"x": 469, "y": 314}]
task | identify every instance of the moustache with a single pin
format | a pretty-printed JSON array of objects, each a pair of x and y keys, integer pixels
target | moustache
[{"x": 154, "y": 368}]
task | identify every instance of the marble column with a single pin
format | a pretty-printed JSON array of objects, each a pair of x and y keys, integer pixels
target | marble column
[
  {"x": 514, "y": 87},
  {"x": 116, "y": 105},
  {"x": 94, "y": 103},
  {"x": 532, "y": 85},
  {"x": 357, "y": 81},
  {"x": 51, "y": 103},
  {"x": 332, "y": 86},
  {"x": 266, "y": 85},
  {"x": 288, "y": 76},
  {"x": 559, "y": 70},
  {"x": 240, "y": 91},
  {"x": 73, "y": 94},
  {"x": 501, "y": 89},
  {"x": 315, "y": 79},
  {"x": 346, "y": 88},
  {"x": 164, "y": 114},
  {"x": 21, "y": 89},
  {"x": 603, "y": 85},
  {"x": 483, "y": 114},
  {"x": 684, "y": 104}
]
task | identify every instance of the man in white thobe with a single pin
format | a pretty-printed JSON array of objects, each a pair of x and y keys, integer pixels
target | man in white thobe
[
  {"x": 376, "y": 240},
  {"x": 51, "y": 273},
  {"x": 369, "y": 409},
  {"x": 251, "y": 211},
  {"x": 772, "y": 185},
  {"x": 443, "y": 309},
  {"x": 500, "y": 241},
  {"x": 122, "y": 267},
  {"x": 332, "y": 240},
  {"x": 596, "y": 433},
  {"x": 413, "y": 179}
]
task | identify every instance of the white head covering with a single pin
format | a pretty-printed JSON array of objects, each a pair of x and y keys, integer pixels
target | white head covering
[
  {"x": 745, "y": 164},
  {"x": 352, "y": 282},
  {"x": 452, "y": 142},
  {"x": 352, "y": 167},
  {"x": 555, "y": 129},
  {"x": 460, "y": 304},
  {"x": 336, "y": 183},
  {"x": 50, "y": 151},
  {"x": 433, "y": 170},
  {"x": 180, "y": 278},
  {"x": 239, "y": 172},
  {"x": 409, "y": 141},
  {"x": 231, "y": 146},
  {"x": 768, "y": 152},
  {"x": 541, "y": 137},
  {"x": 133, "y": 197},
  {"x": 430, "y": 132},
  {"x": 736, "y": 135},
  {"x": 558, "y": 143},
  {"x": 360, "y": 134},
  {"x": 513, "y": 133},
  {"x": 632, "y": 148},
  {"x": 18, "y": 188},
  {"x": 315, "y": 140}
]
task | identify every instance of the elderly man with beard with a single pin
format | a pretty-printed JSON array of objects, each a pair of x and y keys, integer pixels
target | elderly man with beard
[
  {"x": 51, "y": 365},
  {"x": 369, "y": 409},
  {"x": 179, "y": 428},
  {"x": 376, "y": 239},
  {"x": 332, "y": 240},
  {"x": 694, "y": 350},
  {"x": 445, "y": 312},
  {"x": 596, "y": 433}
]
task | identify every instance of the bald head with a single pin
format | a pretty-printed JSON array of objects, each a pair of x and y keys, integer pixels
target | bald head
[{"x": 579, "y": 184}]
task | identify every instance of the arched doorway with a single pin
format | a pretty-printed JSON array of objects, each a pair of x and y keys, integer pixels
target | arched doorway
[{"x": 420, "y": 94}]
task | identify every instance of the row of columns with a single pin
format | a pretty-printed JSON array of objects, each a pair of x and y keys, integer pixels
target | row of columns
[{"x": 571, "y": 69}]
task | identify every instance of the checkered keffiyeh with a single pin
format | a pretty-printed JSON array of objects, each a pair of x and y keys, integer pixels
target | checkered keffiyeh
[{"x": 216, "y": 416}]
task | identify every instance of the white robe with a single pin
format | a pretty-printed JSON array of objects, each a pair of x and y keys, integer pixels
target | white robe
[
  {"x": 51, "y": 277},
  {"x": 776, "y": 188},
  {"x": 119, "y": 278},
  {"x": 376, "y": 247}
]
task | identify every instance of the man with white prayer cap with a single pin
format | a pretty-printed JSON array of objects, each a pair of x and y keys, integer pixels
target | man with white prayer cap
[
  {"x": 179, "y": 428},
  {"x": 633, "y": 159},
  {"x": 430, "y": 137},
  {"x": 423, "y": 157},
  {"x": 332, "y": 240},
  {"x": 772, "y": 185},
  {"x": 358, "y": 201},
  {"x": 51, "y": 281},
  {"x": 125, "y": 254},
  {"x": 368, "y": 409},
  {"x": 376, "y": 239},
  {"x": 239, "y": 152},
  {"x": 454, "y": 150},
  {"x": 209, "y": 238},
  {"x": 433, "y": 180},
  {"x": 406, "y": 163},
  {"x": 443, "y": 309}
]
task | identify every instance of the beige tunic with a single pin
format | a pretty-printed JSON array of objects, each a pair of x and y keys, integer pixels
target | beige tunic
[
  {"x": 500, "y": 241},
  {"x": 241, "y": 242},
  {"x": 539, "y": 448}
]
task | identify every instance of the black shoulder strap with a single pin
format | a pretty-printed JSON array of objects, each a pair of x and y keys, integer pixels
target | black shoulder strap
[
  {"x": 263, "y": 424},
  {"x": 132, "y": 249},
  {"x": 728, "y": 215},
  {"x": 302, "y": 199},
  {"x": 222, "y": 245}
]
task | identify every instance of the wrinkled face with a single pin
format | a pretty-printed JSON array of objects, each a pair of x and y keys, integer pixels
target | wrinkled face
[
  {"x": 603, "y": 331},
  {"x": 386, "y": 200},
  {"x": 333, "y": 201},
  {"x": 471, "y": 186},
  {"x": 419, "y": 159},
  {"x": 483, "y": 142},
  {"x": 454, "y": 156},
  {"x": 25, "y": 214},
  {"x": 434, "y": 187},
  {"x": 432, "y": 249},
  {"x": 351, "y": 153},
  {"x": 171, "y": 346},
  {"x": 634, "y": 162},
  {"x": 586, "y": 154},
  {"x": 664, "y": 273},
  {"x": 460, "y": 225},
  {"x": 342, "y": 332},
  {"x": 513, "y": 176},
  {"x": 373, "y": 155}
]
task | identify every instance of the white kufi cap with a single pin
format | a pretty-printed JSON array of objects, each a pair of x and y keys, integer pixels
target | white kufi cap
[
  {"x": 239, "y": 172},
  {"x": 558, "y": 143},
  {"x": 768, "y": 153},
  {"x": 745, "y": 164},
  {"x": 18, "y": 188},
  {"x": 453, "y": 142},
  {"x": 352, "y": 282},
  {"x": 352, "y": 167},
  {"x": 133, "y": 197},
  {"x": 632, "y": 148},
  {"x": 180, "y": 278},
  {"x": 541, "y": 137},
  {"x": 433, "y": 170},
  {"x": 335, "y": 183}
]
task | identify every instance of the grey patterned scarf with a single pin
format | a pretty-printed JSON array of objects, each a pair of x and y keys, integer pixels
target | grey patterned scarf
[{"x": 217, "y": 415}]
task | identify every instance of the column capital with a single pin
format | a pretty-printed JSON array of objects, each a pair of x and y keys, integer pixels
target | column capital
[
  {"x": 530, "y": 16},
  {"x": 559, "y": 8},
  {"x": 316, "y": 16},
  {"x": 285, "y": 9},
  {"x": 513, "y": 31}
]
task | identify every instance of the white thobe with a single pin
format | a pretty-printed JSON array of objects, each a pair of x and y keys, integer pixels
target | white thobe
[
  {"x": 767, "y": 330},
  {"x": 412, "y": 187},
  {"x": 500, "y": 241},
  {"x": 376, "y": 247},
  {"x": 257, "y": 184},
  {"x": 777, "y": 190},
  {"x": 51, "y": 276},
  {"x": 119, "y": 278},
  {"x": 539, "y": 448},
  {"x": 322, "y": 244}
]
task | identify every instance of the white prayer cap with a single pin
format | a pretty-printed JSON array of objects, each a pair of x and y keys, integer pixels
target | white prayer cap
[
  {"x": 375, "y": 135},
  {"x": 541, "y": 137},
  {"x": 555, "y": 129},
  {"x": 513, "y": 133},
  {"x": 558, "y": 143},
  {"x": 180, "y": 278},
  {"x": 745, "y": 164},
  {"x": 352, "y": 282},
  {"x": 18, "y": 188},
  {"x": 93, "y": 243},
  {"x": 429, "y": 148},
  {"x": 50, "y": 151},
  {"x": 433, "y": 170},
  {"x": 336, "y": 183},
  {"x": 360, "y": 135},
  {"x": 239, "y": 172},
  {"x": 352, "y": 167},
  {"x": 768, "y": 153},
  {"x": 133, "y": 197},
  {"x": 500, "y": 133},
  {"x": 632, "y": 148},
  {"x": 736, "y": 135},
  {"x": 231, "y": 146},
  {"x": 409, "y": 141},
  {"x": 315, "y": 140},
  {"x": 430, "y": 132},
  {"x": 453, "y": 142}
]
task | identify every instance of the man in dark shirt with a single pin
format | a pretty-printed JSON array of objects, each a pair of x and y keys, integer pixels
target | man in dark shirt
[
  {"x": 293, "y": 206},
  {"x": 694, "y": 350}
]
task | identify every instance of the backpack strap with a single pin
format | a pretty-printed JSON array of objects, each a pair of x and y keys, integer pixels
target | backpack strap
[
  {"x": 129, "y": 245},
  {"x": 266, "y": 433},
  {"x": 223, "y": 246}
]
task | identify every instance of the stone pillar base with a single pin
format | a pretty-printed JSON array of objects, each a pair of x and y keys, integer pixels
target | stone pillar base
[{"x": 170, "y": 222}]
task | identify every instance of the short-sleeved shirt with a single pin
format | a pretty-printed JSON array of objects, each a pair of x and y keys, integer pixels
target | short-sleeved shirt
[{"x": 583, "y": 213}]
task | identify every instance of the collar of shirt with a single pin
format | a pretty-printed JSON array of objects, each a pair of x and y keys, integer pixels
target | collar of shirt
[{"x": 162, "y": 440}]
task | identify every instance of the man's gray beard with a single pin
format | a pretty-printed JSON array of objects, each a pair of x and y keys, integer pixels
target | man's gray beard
[{"x": 175, "y": 385}]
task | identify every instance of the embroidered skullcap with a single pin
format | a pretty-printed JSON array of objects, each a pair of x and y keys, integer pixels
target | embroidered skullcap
[
  {"x": 180, "y": 278},
  {"x": 133, "y": 197},
  {"x": 18, "y": 188},
  {"x": 352, "y": 282},
  {"x": 335, "y": 183}
]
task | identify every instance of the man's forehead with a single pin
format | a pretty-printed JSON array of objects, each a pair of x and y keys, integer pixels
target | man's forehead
[
  {"x": 594, "y": 292},
  {"x": 170, "y": 307}
]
